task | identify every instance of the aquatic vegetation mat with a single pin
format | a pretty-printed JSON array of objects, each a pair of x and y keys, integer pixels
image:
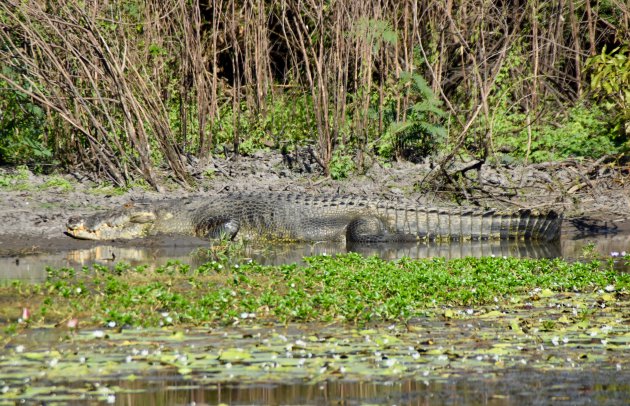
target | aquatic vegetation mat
[
  {"x": 88, "y": 334},
  {"x": 345, "y": 288}
]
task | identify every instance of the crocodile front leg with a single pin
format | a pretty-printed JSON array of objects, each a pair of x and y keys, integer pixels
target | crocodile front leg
[{"x": 218, "y": 228}]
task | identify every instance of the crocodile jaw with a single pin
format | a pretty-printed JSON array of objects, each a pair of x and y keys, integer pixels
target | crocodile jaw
[{"x": 122, "y": 226}]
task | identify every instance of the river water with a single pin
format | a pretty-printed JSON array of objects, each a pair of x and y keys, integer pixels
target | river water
[
  {"x": 194, "y": 252},
  {"x": 504, "y": 386}
]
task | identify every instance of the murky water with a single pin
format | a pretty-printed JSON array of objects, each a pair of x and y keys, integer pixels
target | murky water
[
  {"x": 194, "y": 252},
  {"x": 600, "y": 384},
  {"x": 473, "y": 360},
  {"x": 512, "y": 387}
]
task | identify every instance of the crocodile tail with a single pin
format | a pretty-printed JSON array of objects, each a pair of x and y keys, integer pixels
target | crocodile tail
[
  {"x": 435, "y": 224},
  {"x": 522, "y": 224}
]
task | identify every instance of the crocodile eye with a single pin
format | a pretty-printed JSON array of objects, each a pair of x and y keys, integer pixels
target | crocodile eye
[
  {"x": 144, "y": 217},
  {"x": 75, "y": 222}
]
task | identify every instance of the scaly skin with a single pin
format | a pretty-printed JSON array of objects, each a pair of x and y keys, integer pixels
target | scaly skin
[{"x": 296, "y": 217}]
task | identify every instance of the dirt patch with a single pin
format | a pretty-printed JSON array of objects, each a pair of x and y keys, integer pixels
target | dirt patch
[{"x": 595, "y": 196}]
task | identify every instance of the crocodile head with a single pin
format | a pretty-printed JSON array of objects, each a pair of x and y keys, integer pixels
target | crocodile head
[{"x": 129, "y": 222}]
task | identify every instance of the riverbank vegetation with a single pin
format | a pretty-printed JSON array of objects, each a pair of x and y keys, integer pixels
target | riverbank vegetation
[{"x": 128, "y": 88}]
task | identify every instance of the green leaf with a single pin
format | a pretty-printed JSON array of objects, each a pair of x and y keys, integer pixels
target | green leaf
[{"x": 390, "y": 36}]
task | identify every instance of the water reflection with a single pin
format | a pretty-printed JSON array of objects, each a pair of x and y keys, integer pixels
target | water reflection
[
  {"x": 520, "y": 249},
  {"x": 511, "y": 387},
  {"x": 32, "y": 267}
]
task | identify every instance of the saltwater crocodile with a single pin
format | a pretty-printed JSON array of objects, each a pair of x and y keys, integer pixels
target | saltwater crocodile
[{"x": 299, "y": 217}]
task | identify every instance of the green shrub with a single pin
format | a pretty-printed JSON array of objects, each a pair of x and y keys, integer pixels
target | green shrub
[
  {"x": 288, "y": 120},
  {"x": 583, "y": 131},
  {"x": 610, "y": 82},
  {"x": 22, "y": 127},
  {"x": 420, "y": 133}
]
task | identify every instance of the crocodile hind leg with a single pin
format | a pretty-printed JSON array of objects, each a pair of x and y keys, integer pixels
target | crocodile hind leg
[
  {"x": 366, "y": 229},
  {"x": 373, "y": 229}
]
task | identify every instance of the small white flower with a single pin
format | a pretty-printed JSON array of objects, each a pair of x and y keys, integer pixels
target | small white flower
[
  {"x": 390, "y": 362},
  {"x": 555, "y": 340},
  {"x": 19, "y": 348},
  {"x": 98, "y": 334},
  {"x": 610, "y": 288},
  {"x": 111, "y": 324}
]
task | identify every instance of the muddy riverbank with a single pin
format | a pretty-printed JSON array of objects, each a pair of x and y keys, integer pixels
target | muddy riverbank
[{"x": 594, "y": 197}]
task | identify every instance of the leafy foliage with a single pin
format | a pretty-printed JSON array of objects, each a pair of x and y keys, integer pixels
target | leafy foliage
[
  {"x": 131, "y": 87},
  {"x": 349, "y": 287},
  {"x": 415, "y": 132},
  {"x": 582, "y": 131},
  {"x": 610, "y": 81},
  {"x": 22, "y": 125},
  {"x": 287, "y": 122}
]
